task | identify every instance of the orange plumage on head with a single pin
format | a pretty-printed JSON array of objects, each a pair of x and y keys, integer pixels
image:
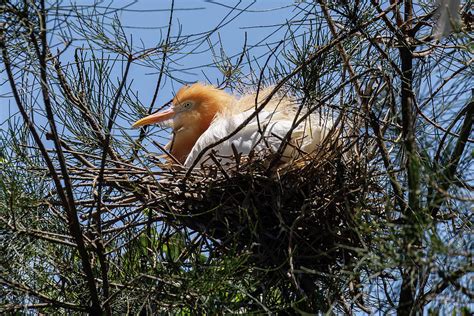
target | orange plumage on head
[
  {"x": 189, "y": 125},
  {"x": 211, "y": 100}
]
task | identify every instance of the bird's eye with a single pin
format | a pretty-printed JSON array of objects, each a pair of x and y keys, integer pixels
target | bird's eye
[{"x": 187, "y": 105}]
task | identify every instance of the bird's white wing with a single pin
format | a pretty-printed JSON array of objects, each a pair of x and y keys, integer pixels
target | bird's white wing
[{"x": 263, "y": 134}]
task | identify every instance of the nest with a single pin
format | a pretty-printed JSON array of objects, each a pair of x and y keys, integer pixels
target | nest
[
  {"x": 296, "y": 226},
  {"x": 295, "y": 221}
]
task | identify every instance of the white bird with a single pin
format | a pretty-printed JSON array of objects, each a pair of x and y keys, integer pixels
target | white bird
[{"x": 202, "y": 115}]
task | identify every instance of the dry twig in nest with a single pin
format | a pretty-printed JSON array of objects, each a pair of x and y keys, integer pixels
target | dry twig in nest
[{"x": 298, "y": 222}]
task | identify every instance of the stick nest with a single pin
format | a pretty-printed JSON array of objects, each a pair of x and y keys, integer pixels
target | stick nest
[{"x": 299, "y": 217}]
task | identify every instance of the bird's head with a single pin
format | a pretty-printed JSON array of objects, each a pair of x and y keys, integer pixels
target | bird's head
[{"x": 194, "y": 107}]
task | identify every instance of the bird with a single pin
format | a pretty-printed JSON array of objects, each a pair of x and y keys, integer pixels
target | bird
[{"x": 202, "y": 114}]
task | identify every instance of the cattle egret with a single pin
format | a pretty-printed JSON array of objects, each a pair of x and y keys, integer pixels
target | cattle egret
[{"x": 202, "y": 115}]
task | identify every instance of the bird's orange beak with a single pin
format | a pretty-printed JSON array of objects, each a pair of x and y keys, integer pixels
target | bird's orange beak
[{"x": 155, "y": 118}]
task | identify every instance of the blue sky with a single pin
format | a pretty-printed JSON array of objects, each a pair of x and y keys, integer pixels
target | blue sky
[
  {"x": 199, "y": 17},
  {"x": 147, "y": 22}
]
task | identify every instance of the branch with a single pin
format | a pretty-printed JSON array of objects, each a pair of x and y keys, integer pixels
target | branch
[
  {"x": 446, "y": 281},
  {"x": 412, "y": 213},
  {"x": 65, "y": 194},
  {"x": 99, "y": 244},
  {"x": 452, "y": 165},
  {"x": 24, "y": 288}
]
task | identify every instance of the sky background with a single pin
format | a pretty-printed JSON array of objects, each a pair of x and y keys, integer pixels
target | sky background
[
  {"x": 146, "y": 22},
  {"x": 261, "y": 23},
  {"x": 219, "y": 24}
]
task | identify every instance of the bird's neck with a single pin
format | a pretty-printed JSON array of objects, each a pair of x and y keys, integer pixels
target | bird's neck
[
  {"x": 183, "y": 142},
  {"x": 195, "y": 125}
]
